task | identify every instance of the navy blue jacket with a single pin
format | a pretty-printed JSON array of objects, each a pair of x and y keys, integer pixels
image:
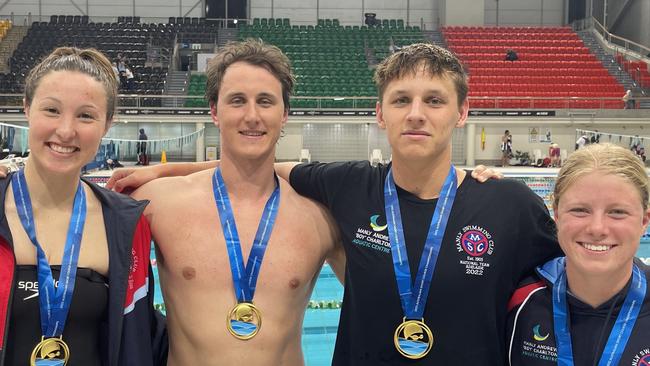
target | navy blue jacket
[
  {"x": 531, "y": 339},
  {"x": 136, "y": 332}
]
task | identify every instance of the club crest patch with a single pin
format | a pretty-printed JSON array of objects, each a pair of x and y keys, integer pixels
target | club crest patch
[{"x": 475, "y": 246}]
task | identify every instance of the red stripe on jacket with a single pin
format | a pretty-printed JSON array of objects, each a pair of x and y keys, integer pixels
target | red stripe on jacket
[
  {"x": 7, "y": 265},
  {"x": 139, "y": 272},
  {"x": 522, "y": 293}
]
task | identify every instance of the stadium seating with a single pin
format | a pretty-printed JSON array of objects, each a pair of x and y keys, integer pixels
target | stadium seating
[
  {"x": 554, "y": 69},
  {"x": 195, "y": 88},
  {"x": 331, "y": 60},
  {"x": 130, "y": 37}
]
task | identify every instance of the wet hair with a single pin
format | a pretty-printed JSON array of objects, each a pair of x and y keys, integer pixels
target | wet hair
[
  {"x": 604, "y": 158},
  {"x": 253, "y": 52},
  {"x": 434, "y": 60},
  {"x": 87, "y": 61}
]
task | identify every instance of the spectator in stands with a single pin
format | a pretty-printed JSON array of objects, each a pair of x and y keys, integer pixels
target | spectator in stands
[
  {"x": 511, "y": 55},
  {"x": 582, "y": 141},
  {"x": 506, "y": 148},
  {"x": 143, "y": 158},
  {"x": 627, "y": 98},
  {"x": 70, "y": 98},
  {"x": 121, "y": 69},
  {"x": 115, "y": 70},
  {"x": 121, "y": 58},
  {"x": 128, "y": 75}
]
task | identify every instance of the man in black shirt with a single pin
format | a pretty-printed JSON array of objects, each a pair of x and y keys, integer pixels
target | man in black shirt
[{"x": 496, "y": 232}]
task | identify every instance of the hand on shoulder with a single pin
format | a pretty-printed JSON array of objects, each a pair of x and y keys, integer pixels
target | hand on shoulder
[{"x": 126, "y": 180}]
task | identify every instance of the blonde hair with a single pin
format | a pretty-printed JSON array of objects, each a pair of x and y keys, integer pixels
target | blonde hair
[
  {"x": 432, "y": 59},
  {"x": 605, "y": 158},
  {"x": 87, "y": 61}
]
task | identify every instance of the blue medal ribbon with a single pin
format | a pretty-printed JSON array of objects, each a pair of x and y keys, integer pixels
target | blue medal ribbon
[
  {"x": 54, "y": 300},
  {"x": 244, "y": 278},
  {"x": 621, "y": 330},
  {"x": 414, "y": 297}
]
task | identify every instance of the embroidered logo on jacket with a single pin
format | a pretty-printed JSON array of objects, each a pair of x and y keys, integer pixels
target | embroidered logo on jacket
[
  {"x": 477, "y": 245},
  {"x": 642, "y": 358},
  {"x": 539, "y": 346},
  {"x": 373, "y": 237}
]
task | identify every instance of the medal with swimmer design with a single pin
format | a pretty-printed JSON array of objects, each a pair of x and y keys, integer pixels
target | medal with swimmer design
[
  {"x": 244, "y": 320},
  {"x": 50, "y": 352},
  {"x": 54, "y": 301},
  {"x": 413, "y": 339}
]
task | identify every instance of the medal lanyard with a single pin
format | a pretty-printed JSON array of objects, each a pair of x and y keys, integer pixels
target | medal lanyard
[
  {"x": 244, "y": 278},
  {"x": 621, "y": 331},
  {"x": 54, "y": 300},
  {"x": 414, "y": 299}
]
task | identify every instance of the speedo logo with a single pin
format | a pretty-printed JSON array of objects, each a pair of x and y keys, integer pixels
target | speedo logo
[{"x": 31, "y": 287}]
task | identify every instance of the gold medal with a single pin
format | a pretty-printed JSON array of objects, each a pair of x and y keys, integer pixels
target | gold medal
[
  {"x": 50, "y": 352},
  {"x": 413, "y": 339},
  {"x": 244, "y": 321}
]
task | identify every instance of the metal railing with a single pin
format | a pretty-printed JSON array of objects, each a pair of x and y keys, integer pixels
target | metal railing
[
  {"x": 619, "y": 44},
  {"x": 133, "y": 101}
]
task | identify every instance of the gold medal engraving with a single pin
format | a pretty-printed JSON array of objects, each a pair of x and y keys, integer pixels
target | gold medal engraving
[
  {"x": 413, "y": 339},
  {"x": 244, "y": 321},
  {"x": 50, "y": 352}
]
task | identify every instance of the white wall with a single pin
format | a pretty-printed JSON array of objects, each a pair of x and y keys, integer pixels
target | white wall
[
  {"x": 525, "y": 12},
  {"x": 633, "y": 22},
  {"x": 463, "y": 12},
  {"x": 426, "y": 13},
  {"x": 348, "y": 12}
]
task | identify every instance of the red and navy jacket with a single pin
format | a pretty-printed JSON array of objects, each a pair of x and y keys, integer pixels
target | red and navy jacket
[
  {"x": 136, "y": 333},
  {"x": 531, "y": 339}
]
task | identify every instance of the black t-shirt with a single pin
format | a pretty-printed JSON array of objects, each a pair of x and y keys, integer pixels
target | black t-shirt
[
  {"x": 85, "y": 325},
  {"x": 533, "y": 341},
  {"x": 466, "y": 306}
]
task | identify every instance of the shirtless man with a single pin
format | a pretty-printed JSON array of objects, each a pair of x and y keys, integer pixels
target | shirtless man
[{"x": 248, "y": 88}]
